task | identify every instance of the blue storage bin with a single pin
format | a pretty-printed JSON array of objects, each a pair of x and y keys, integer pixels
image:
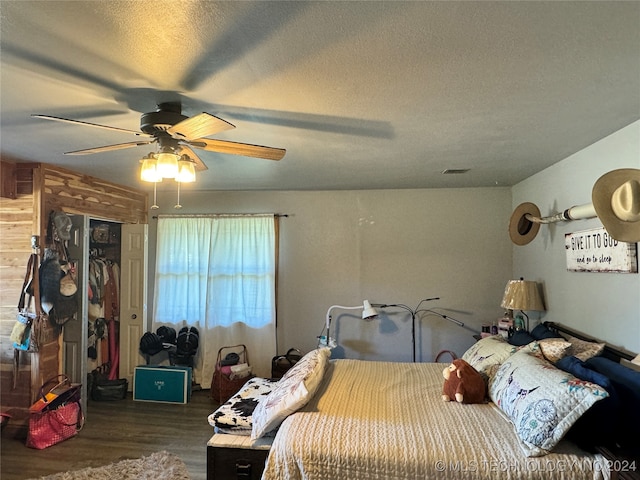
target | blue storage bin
[{"x": 162, "y": 383}]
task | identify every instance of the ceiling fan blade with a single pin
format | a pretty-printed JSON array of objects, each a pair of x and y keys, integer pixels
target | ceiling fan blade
[
  {"x": 88, "y": 124},
  {"x": 201, "y": 125},
  {"x": 200, "y": 165},
  {"x": 234, "y": 148},
  {"x": 108, "y": 148}
]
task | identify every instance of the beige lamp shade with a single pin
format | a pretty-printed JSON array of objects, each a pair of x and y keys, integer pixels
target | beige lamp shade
[{"x": 522, "y": 295}]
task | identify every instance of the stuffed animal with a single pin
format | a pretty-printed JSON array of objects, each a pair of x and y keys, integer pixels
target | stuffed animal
[{"x": 463, "y": 383}]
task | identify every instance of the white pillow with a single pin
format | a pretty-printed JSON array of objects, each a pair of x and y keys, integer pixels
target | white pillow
[
  {"x": 292, "y": 392},
  {"x": 541, "y": 401},
  {"x": 489, "y": 352}
]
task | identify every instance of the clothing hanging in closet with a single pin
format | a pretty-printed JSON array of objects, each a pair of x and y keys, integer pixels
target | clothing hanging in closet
[{"x": 104, "y": 314}]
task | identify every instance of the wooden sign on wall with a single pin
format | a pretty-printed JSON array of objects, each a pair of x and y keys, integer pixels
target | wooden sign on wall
[{"x": 595, "y": 251}]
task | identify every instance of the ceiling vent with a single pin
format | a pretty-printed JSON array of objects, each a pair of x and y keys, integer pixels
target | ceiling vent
[{"x": 455, "y": 171}]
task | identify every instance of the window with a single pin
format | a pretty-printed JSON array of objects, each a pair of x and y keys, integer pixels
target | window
[{"x": 217, "y": 273}]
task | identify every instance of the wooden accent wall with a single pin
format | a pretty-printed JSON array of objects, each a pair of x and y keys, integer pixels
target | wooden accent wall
[
  {"x": 36, "y": 190},
  {"x": 17, "y": 224},
  {"x": 8, "y": 180},
  {"x": 72, "y": 192}
]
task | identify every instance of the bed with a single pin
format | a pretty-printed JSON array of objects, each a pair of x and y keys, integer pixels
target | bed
[{"x": 381, "y": 420}]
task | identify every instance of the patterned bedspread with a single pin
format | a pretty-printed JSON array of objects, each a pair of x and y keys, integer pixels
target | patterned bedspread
[{"x": 380, "y": 420}]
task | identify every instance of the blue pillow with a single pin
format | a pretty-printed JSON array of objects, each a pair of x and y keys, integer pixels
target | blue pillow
[
  {"x": 617, "y": 373},
  {"x": 598, "y": 425},
  {"x": 579, "y": 369},
  {"x": 627, "y": 385},
  {"x": 520, "y": 338},
  {"x": 542, "y": 331}
]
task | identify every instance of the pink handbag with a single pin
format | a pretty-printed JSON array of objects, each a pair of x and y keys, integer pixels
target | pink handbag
[
  {"x": 49, "y": 427},
  {"x": 56, "y": 415}
]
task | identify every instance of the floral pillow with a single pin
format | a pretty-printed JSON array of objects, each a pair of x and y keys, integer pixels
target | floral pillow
[
  {"x": 554, "y": 349},
  {"x": 542, "y": 401},
  {"x": 488, "y": 352},
  {"x": 292, "y": 392},
  {"x": 584, "y": 350}
]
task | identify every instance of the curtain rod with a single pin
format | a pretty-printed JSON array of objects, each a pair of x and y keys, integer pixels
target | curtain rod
[{"x": 221, "y": 215}]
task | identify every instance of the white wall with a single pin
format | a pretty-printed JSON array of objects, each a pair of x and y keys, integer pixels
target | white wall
[
  {"x": 604, "y": 305},
  {"x": 387, "y": 246},
  {"x": 400, "y": 246}
]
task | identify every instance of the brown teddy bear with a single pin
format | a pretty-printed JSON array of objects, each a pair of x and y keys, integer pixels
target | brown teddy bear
[{"x": 463, "y": 383}]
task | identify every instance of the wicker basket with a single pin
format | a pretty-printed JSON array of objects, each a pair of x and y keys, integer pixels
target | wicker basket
[{"x": 223, "y": 387}]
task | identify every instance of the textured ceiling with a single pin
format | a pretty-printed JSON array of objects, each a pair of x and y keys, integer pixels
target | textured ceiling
[{"x": 360, "y": 94}]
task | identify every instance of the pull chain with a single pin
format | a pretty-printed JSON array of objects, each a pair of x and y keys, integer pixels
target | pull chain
[
  {"x": 155, "y": 197},
  {"x": 177, "y": 206}
]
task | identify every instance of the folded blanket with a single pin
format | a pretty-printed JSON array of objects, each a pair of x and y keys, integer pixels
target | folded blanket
[{"x": 234, "y": 416}]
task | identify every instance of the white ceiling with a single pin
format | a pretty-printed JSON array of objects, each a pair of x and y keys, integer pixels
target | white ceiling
[{"x": 360, "y": 94}]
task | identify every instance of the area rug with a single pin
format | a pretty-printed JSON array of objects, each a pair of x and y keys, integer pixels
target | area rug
[{"x": 157, "y": 466}]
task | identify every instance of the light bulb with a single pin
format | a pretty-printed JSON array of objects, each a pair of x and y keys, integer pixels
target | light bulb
[
  {"x": 167, "y": 164},
  {"x": 186, "y": 170},
  {"x": 149, "y": 170}
]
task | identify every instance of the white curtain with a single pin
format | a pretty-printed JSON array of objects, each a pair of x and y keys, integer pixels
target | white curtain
[{"x": 217, "y": 273}]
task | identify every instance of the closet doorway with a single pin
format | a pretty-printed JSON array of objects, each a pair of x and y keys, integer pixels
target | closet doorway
[{"x": 111, "y": 263}]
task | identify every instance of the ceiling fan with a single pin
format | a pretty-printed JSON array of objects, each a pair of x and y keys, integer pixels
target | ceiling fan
[{"x": 178, "y": 134}]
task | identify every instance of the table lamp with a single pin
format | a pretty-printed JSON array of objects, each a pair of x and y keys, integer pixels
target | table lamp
[
  {"x": 367, "y": 312},
  {"x": 522, "y": 295}
]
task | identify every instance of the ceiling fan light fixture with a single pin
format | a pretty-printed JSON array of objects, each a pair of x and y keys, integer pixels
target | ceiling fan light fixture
[
  {"x": 167, "y": 163},
  {"x": 149, "y": 169},
  {"x": 186, "y": 170}
]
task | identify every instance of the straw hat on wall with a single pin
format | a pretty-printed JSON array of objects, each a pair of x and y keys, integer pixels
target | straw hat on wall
[
  {"x": 615, "y": 201},
  {"x": 616, "y": 198}
]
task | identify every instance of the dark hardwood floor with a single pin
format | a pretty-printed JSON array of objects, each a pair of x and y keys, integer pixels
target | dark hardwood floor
[{"x": 116, "y": 431}]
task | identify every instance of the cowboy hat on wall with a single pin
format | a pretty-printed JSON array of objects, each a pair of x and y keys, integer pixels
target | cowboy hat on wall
[{"x": 615, "y": 201}]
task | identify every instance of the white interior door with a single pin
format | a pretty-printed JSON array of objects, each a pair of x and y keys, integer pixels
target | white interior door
[
  {"x": 133, "y": 296},
  {"x": 74, "y": 332}
]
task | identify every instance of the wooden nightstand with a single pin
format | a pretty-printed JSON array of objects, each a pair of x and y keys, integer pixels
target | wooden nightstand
[
  {"x": 230, "y": 457},
  {"x": 623, "y": 465}
]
